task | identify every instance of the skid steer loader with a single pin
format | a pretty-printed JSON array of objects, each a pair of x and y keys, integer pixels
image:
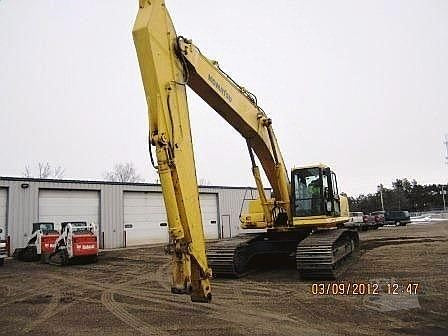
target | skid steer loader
[
  {"x": 77, "y": 243},
  {"x": 41, "y": 242}
]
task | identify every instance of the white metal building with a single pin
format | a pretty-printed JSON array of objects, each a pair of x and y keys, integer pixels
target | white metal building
[{"x": 127, "y": 213}]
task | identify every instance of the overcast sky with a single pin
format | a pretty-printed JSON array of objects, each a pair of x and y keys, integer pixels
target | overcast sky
[{"x": 359, "y": 85}]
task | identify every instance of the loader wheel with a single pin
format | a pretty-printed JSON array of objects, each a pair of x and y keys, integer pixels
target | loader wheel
[
  {"x": 65, "y": 258},
  {"x": 59, "y": 258},
  {"x": 92, "y": 259},
  {"x": 29, "y": 253},
  {"x": 44, "y": 258}
]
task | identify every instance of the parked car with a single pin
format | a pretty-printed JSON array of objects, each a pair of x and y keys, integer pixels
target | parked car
[
  {"x": 379, "y": 217},
  {"x": 356, "y": 217},
  {"x": 356, "y": 220},
  {"x": 397, "y": 217},
  {"x": 369, "y": 222}
]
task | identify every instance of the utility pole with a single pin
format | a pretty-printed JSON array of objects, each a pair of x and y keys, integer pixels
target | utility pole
[
  {"x": 446, "y": 157},
  {"x": 443, "y": 197},
  {"x": 381, "y": 196},
  {"x": 446, "y": 144}
]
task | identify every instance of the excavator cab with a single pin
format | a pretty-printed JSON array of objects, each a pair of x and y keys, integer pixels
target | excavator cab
[
  {"x": 315, "y": 201},
  {"x": 315, "y": 192},
  {"x": 315, "y": 197}
]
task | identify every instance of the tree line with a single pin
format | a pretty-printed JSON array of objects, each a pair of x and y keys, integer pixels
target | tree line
[
  {"x": 404, "y": 195},
  {"x": 120, "y": 172}
]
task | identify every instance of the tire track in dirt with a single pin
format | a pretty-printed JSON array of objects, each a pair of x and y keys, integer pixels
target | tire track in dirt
[
  {"x": 116, "y": 308},
  {"x": 279, "y": 324},
  {"x": 161, "y": 276},
  {"x": 8, "y": 290},
  {"x": 50, "y": 310},
  {"x": 253, "y": 318},
  {"x": 25, "y": 295},
  {"x": 160, "y": 298},
  {"x": 128, "y": 305}
]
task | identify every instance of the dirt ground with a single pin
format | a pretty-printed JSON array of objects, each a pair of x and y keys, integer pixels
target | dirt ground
[{"x": 127, "y": 293}]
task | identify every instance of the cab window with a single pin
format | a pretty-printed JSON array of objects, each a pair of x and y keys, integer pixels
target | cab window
[{"x": 307, "y": 192}]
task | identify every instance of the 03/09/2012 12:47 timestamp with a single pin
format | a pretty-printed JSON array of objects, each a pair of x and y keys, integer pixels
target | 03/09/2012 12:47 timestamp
[{"x": 353, "y": 288}]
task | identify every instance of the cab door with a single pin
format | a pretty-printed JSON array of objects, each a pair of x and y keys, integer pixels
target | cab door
[{"x": 331, "y": 193}]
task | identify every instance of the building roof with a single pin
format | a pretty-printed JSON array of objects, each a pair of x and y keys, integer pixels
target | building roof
[{"x": 32, "y": 179}]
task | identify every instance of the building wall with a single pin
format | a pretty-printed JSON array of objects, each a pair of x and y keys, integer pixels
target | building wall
[{"x": 23, "y": 206}]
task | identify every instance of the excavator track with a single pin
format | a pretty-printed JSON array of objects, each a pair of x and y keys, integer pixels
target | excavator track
[
  {"x": 321, "y": 255},
  {"x": 324, "y": 254},
  {"x": 232, "y": 257}
]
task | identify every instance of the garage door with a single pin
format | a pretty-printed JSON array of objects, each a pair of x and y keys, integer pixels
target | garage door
[
  {"x": 143, "y": 213},
  {"x": 209, "y": 210},
  {"x": 69, "y": 205},
  {"x": 3, "y": 200}
]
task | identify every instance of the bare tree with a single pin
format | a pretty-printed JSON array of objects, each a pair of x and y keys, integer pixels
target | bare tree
[
  {"x": 204, "y": 182},
  {"x": 123, "y": 172},
  {"x": 44, "y": 170},
  {"x": 58, "y": 172},
  {"x": 27, "y": 172}
]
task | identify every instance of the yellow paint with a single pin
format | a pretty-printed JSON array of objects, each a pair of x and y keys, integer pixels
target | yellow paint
[
  {"x": 169, "y": 131},
  {"x": 168, "y": 63}
]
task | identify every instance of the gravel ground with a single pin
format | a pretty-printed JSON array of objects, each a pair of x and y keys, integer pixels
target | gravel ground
[{"x": 127, "y": 293}]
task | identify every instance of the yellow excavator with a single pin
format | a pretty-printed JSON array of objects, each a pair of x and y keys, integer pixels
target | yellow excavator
[{"x": 303, "y": 216}]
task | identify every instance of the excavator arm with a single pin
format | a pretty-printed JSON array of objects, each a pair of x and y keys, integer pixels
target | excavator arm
[
  {"x": 169, "y": 63},
  {"x": 239, "y": 108}
]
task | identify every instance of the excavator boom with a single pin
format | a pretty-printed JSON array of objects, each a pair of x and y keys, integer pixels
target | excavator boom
[
  {"x": 239, "y": 108},
  {"x": 168, "y": 63}
]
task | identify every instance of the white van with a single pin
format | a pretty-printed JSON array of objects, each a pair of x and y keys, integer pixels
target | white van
[{"x": 356, "y": 220}]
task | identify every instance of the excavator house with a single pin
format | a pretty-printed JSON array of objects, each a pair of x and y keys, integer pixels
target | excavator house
[
  {"x": 316, "y": 210},
  {"x": 303, "y": 216}
]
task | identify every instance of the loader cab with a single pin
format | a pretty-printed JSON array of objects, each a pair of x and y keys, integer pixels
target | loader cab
[
  {"x": 77, "y": 227},
  {"x": 315, "y": 192},
  {"x": 45, "y": 227}
]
